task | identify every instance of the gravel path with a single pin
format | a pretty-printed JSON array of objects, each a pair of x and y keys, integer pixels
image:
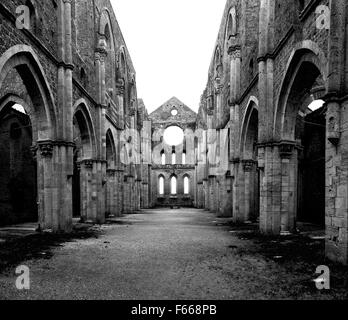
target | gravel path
[{"x": 159, "y": 254}]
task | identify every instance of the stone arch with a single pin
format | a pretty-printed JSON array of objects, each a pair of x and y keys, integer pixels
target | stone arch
[
  {"x": 250, "y": 176},
  {"x": 173, "y": 184},
  {"x": 84, "y": 154},
  {"x": 11, "y": 99},
  {"x": 161, "y": 180},
  {"x": 18, "y": 175},
  {"x": 218, "y": 65},
  {"x": 85, "y": 136},
  {"x": 122, "y": 63},
  {"x": 231, "y": 26},
  {"x": 122, "y": 80},
  {"x": 187, "y": 183},
  {"x": 110, "y": 150},
  {"x": 250, "y": 120},
  {"x": 302, "y": 136},
  {"x": 305, "y": 54},
  {"x": 107, "y": 41},
  {"x": 24, "y": 60},
  {"x": 104, "y": 22},
  {"x": 111, "y": 190}
]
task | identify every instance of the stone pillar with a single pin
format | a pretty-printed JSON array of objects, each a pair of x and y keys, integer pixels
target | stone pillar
[
  {"x": 250, "y": 173},
  {"x": 200, "y": 195},
  {"x": 234, "y": 52},
  {"x": 138, "y": 186},
  {"x": 336, "y": 147},
  {"x": 100, "y": 164},
  {"x": 206, "y": 194},
  {"x": 227, "y": 199},
  {"x": 110, "y": 192},
  {"x": 238, "y": 194},
  {"x": 287, "y": 200},
  {"x": 86, "y": 188},
  {"x": 219, "y": 107},
  {"x": 213, "y": 194},
  {"x": 119, "y": 192},
  {"x": 45, "y": 182},
  {"x": 120, "y": 97},
  {"x": 278, "y": 187},
  {"x": 62, "y": 161},
  {"x": 336, "y": 219},
  {"x": 270, "y": 166}
]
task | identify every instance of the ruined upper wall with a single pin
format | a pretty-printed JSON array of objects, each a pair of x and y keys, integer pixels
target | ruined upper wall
[
  {"x": 87, "y": 17},
  {"x": 294, "y": 26},
  {"x": 183, "y": 114},
  {"x": 87, "y": 21},
  {"x": 245, "y": 20}
]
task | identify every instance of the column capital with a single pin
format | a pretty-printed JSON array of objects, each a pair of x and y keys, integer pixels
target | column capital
[
  {"x": 45, "y": 148},
  {"x": 286, "y": 149},
  {"x": 88, "y": 163},
  {"x": 248, "y": 165},
  {"x": 120, "y": 85},
  {"x": 100, "y": 54},
  {"x": 234, "y": 52},
  {"x": 132, "y": 111}
]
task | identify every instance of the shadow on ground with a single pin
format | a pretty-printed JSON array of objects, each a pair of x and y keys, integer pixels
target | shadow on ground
[
  {"x": 299, "y": 254},
  {"x": 39, "y": 245}
]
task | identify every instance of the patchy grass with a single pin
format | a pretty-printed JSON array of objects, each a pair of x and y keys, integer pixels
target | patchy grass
[
  {"x": 299, "y": 256},
  {"x": 39, "y": 246}
]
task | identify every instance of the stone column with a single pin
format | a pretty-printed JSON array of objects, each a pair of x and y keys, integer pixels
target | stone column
[
  {"x": 110, "y": 192},
  {"x": 206, "y": 193},
  {"x": 100, "y": 164},
  {"x": 99, "y": 170},
  {"x": 234, "y": 52},
  {"x": 219, "y": 107},
  {"x": 213, "y": 194},
  {"x": 62, "y": 161},
  {"x": 249, "y": 167},
  {"x": 86, "y": 189},
  {"x": 238, "y": 192},
  {"x": 336, "y": 218},
  {"x": 119, "y": 192},
  {"x": 289, "y": 175},
  {"x": 269, "y": 163},
  {"x": 43, "y": 154}
]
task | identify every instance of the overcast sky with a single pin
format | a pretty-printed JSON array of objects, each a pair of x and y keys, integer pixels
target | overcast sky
[{"x": 171, "y": 43}]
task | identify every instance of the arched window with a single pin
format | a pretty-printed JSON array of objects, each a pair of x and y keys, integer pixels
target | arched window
[
  {"x": 163, "y": 158},
  {"x": 173, "y": 158},
  {"x": 161, "y": 185},
  {"x": 184, "y": 158},
  {"x": 107, "y": 35},
  {"x": 186, "y": 185},
  {"x": 232, "y": 24},
  {"x": 173, "y": 185}
]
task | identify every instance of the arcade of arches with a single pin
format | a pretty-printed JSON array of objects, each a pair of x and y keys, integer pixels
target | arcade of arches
[{"x": 268, "y": 144}]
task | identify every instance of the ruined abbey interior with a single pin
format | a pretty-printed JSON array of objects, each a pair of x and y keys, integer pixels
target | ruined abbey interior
[{"x": 269, "y": 143}]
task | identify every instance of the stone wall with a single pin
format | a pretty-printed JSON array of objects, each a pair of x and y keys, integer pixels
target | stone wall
[
  {"x": 275, "y": 58},
  {"x": 72, "y": 73}
]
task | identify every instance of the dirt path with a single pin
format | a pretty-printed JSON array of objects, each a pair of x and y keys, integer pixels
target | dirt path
[{"x": 164, "y": 254}]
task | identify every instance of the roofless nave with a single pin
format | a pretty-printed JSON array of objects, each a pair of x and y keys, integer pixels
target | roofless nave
[{"x": 277, "y": 83}]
